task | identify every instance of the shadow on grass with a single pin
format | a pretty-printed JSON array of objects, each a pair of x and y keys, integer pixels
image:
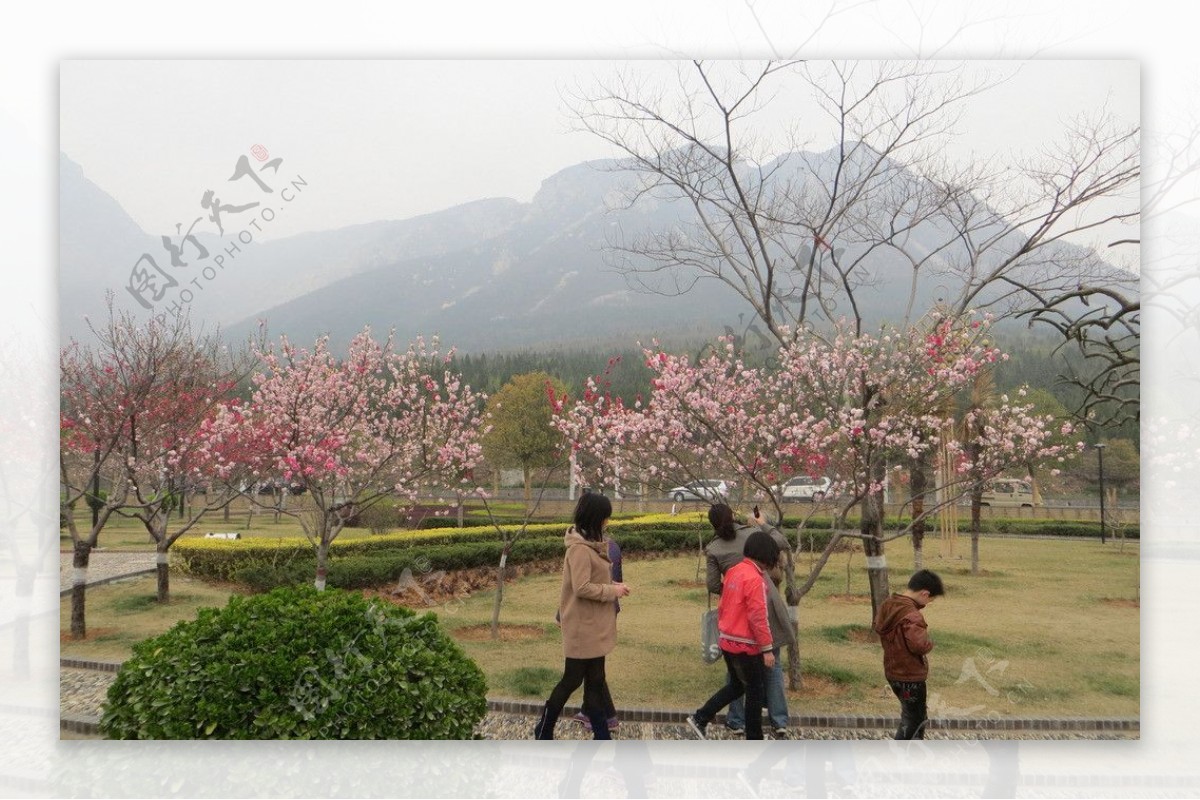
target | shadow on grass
[
  {"x": 141, "y": 603},
  {"x": 848, "y": 634}
]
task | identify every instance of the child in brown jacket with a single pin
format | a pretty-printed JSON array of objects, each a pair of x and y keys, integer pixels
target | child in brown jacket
[{"x": 905, "y": 639}]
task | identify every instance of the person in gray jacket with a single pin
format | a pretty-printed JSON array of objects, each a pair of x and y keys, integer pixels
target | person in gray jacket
[{"x": 723, "y": 552}]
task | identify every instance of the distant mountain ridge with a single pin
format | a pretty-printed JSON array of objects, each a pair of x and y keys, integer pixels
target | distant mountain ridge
[{"x": 487, "y": 275}]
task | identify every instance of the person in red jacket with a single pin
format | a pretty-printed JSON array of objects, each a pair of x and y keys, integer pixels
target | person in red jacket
[
  {"x": 745, "y": 636},
  {"x": 905, "y": 639}
]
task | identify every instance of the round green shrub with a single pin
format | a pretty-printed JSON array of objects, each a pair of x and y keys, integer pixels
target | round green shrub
[{"x": 298, "y": 664}]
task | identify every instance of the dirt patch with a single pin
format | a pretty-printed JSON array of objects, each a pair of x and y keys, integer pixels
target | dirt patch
[
  {"x": 850, "y": 599},
  {"x": 1120, "y": 602},
  {"x": 92, "y": 634},
  {"x": 689, "y": 584},
  {"x": 815, "y": 686},
  {"x": 428, "y": 589},
  {"x": 508, "y": 633},
  {"x": 983, "y": 573},
  {"x": 860, "y": 636}
]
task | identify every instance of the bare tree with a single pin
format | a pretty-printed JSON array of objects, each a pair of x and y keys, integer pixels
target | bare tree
[
  {"x": 795, "y": 234},
  {"x": 807, "y": 238}
]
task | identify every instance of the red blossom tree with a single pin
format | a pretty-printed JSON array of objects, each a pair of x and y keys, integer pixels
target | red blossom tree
[
  {"x": 132, "y": 409},
  {"x": 354, "y": 431}
]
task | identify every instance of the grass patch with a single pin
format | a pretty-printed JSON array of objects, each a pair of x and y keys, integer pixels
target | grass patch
[
  {"x": 123, "y": 613},
  {"x": 833, "y": 673},
  {"x": 527, "y": 681},
  {"x": 854, "y": 633},
  {"x": 146, "y": 603},
  {"x": 1114, "y": 685},
  {"x": 959, "y": 642}
]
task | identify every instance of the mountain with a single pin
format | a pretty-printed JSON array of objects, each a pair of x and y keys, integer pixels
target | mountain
[
  {"x": 544, "y": 279},
  {"x": 99, "y": 245},
  {"x": 496, "y": 273}
]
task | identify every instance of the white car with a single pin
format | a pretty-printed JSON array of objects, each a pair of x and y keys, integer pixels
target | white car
[
  {"x": 1008, "y": 492},
  {"x": 708, "y": 490},
  {"x": 803, "y": 487}
]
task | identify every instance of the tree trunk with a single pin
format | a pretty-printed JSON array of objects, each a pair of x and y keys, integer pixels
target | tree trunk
[
  {"x": 872, "y": 530},
  {"x": 528, "y": 474},
  {"x": 79, "y": 561},
  {"x": 162, "y": 569},
  {"x": 322, "y": 564},
  {"x": 918, "y": 482},
  {"x": 976, "y": 513},
  {"x": 795, "y": 680},
  {"x": 500, "y": 570},
  {"x": 460, "y": 512}
]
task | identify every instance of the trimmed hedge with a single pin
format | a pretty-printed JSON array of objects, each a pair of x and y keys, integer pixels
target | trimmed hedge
[
  {"x": 1050, "y": 527},
  {"x": 469, "y": 522},
  {"x": 347, "y": 570},
  {"x": 298, "y": 664},
  {"x": 358, "y": 563}
]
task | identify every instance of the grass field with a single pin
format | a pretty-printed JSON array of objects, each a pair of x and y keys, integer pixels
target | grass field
[{"x": 1049, "y": 629}]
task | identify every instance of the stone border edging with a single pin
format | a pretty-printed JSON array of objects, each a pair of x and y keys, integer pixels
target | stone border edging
[
  {"x": 95, "y": 666},
  {"x": 79, "y": 723},
  {"x": 846, "y": 721}
]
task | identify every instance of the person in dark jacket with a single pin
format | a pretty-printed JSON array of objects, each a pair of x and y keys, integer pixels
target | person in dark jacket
[
  {"x": 905, "y": 638},
  {"x": 723, "y": 552}
]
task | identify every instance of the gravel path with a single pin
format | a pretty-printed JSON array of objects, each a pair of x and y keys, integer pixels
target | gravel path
[
  {"x": 83, "y": 691},
  {"x": 103, "y": 565}
]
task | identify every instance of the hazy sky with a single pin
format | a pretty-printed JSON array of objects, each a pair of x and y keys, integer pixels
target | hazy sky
[{"x": 393, "y": 139}]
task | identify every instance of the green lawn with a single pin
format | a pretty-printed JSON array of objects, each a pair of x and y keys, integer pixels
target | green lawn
[
  {"x": 1049, "y": 629},
  {"x": 123, "y": 613}
]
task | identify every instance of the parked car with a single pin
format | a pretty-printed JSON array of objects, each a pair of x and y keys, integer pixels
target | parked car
[
  {"x": 1010, "y": 492},
  {"x": 804, "y": 487},
  {"x": 708, "y": 490}
]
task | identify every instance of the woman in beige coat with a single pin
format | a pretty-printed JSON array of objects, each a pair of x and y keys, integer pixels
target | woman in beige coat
[{"x": 588, "y": 616}]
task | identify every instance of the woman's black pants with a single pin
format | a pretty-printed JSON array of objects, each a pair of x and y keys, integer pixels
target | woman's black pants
[{"x": 590, "y": 673}]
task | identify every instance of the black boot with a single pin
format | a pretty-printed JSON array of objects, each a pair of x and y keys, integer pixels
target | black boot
[
  {"x": 599, "y": 724},
  {"x": 545, "y": 724}
]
